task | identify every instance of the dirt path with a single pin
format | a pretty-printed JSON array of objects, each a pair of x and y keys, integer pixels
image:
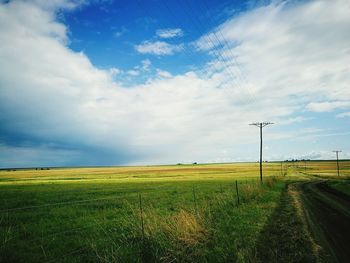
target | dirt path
[{"x": 328, "y": 214}]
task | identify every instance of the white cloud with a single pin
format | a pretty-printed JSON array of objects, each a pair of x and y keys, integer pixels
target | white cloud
[
  {"x": 133, "y": 72},
  {"x": 158, "y": 48},
  {"x": 114, "y": 71},
  {"x": 169, "y": 32},
  {"x": 311, "y": 130},
  {"x": 292, "y": 120},
  {"x": 286, "y": 59},
  {"x": 286, "y": 54},
  {"x": 313, "y": 155},
  {"x": 52, "y": 5},
  {"x": 343, "y": 115},
  {"x": 327, "y": 106},
  {"x": 163, "y": 73},
  {"x": 146, "y": 64},
  {"x": 206, "y": 42}
]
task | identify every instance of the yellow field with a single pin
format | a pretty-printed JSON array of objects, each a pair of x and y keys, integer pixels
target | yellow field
[
  {"x": 142, "y": 173},
  {"x": 173, "y": 172}
]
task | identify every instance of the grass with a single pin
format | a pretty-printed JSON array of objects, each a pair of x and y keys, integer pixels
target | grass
[
  {"x": 284, "y": 238},
  {"x": 341, "y": 185},
  {"x": 190, "y": 213}
]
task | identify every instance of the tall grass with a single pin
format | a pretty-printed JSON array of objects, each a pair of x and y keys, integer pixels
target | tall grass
[{"x": 215, "y": 229}]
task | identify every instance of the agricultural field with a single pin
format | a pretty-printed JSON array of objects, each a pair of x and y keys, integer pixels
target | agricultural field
[{"x": 178, "y": 213}]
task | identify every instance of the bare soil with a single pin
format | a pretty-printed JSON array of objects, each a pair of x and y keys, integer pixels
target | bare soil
[{"x": 328, "y": 214}]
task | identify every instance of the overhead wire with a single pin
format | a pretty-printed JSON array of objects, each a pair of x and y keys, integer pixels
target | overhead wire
[
  {"x": 219, "y": 55},
  {"x": 214, "y": 68},
  {"x": 241, "y": 74},
  {"x": 189, "y": 51},
  {"x": 210, "y": 69}
]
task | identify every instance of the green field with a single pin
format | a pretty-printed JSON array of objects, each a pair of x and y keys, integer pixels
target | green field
[{"x": 180, "y": 213}]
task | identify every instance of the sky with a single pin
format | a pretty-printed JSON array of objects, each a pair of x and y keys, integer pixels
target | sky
[{"x": 111, "y": 82}]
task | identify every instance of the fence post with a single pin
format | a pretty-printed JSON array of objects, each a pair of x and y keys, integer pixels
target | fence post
[
  {"x": 141, "y": 213},
  {"x": 194, "y": 199},
  {"x": 237, "y": 193}
]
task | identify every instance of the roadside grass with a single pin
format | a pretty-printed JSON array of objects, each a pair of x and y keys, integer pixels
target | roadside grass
[
  {"x": 342, "y": 185},
  {"x": 325, "y": 169},
  {"x": 284, "y": 238}
]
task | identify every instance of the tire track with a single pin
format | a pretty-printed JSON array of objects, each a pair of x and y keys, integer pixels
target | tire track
[{"x": 328, "y": 213}]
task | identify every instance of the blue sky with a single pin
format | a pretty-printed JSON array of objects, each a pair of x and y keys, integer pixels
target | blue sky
[
  {"x": 106, "y": 82},
  {"x": 108, "y": 30}
]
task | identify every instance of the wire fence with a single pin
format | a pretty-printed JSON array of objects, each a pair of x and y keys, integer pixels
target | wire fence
[{"x": 95, "y": 221}]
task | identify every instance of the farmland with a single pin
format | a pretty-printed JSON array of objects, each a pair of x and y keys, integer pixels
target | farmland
[{"x": 175, "y": 213}]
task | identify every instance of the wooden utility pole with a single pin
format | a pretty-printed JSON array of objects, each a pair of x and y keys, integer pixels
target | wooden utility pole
[
  {"x": 261, "y": 125},
  {"x": 336, "y": 152}
]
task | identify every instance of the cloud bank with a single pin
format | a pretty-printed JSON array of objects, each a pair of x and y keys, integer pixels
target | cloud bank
[{"x": 56, "y": 108}]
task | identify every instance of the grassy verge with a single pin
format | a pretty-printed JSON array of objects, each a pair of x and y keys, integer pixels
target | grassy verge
[{"x": 341, "y": 185}]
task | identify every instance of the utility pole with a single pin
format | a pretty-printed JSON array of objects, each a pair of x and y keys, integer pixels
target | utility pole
[
  {"x": 336, "y": 152},
  {"x": 261, "y": 125}
]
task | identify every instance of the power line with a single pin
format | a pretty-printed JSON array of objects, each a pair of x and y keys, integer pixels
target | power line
[
  {"x": 337, "y": 152},
  {"x": 188, "y": 51},
  {"x": 261, "y": 125},
  {"x": 224, "y": 48},
  {"x": 241, "y": 74},
  {"x": 236, "y": 77},
  {"x": 211, "y": 38}
]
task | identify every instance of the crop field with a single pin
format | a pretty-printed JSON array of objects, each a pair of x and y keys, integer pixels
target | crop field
[{"x": 179, "y": 213}]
